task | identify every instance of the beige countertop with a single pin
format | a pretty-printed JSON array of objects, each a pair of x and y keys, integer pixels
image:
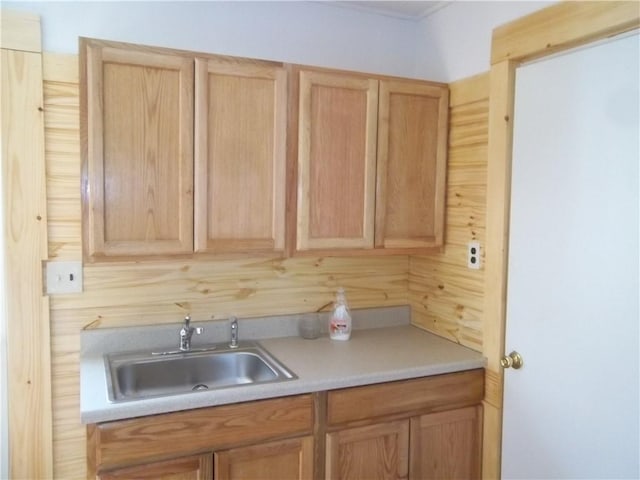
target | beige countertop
[{"x": 379, "y": 354}]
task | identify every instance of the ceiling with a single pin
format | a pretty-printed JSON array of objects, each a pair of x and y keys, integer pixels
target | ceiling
[{"x": 410, "y": 10}]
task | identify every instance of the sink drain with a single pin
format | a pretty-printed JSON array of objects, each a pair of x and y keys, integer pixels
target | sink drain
[{"x": 200, "y": 386}]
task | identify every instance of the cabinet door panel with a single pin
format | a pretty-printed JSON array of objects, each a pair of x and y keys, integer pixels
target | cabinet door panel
[
  {"x": 281, "y": 460},
  {"x": 197, "y": 467},
  {"x": 412, "y": 146},
  {"x": 240, "y": 156},
  {"x": 446, "y": 445},
  {"x": 138, "y": 149},
  {"x": 375, "y": 451},
  {"x": 336, "y": 161}
]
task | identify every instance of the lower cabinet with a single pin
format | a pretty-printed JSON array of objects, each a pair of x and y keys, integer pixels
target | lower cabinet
[
  {"x": 281, "y": 460},
  {"x": 443, "y": 445},
  {"x": 374, "y": 451},
  {"x": 196, "y": 467},
  {"x": 423, "y": 428},
  {"x": 447, "y": 444},
  {"x": 261, "y": 439}
]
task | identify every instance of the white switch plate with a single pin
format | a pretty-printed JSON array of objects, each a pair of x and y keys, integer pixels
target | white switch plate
[
  {"x": 473, "y": 255},
  {"x": 64, "y": 277}
]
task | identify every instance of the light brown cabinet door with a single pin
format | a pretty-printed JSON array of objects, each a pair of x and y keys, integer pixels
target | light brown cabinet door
[
  {"x": 336, "y": 161},
  {"x": 446, "y": 445},
  {"x": 376, "y": 451},
  {"x": 197, "y": 467},
  {"x": 137, "y": 150},
  {"x": 240, "y": 132},
  {"x": 280, "y": 460},
  {"x": 412, "y": 154}
]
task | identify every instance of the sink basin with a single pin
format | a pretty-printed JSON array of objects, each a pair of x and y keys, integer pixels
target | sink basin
[{"x": 141, "y": 375}]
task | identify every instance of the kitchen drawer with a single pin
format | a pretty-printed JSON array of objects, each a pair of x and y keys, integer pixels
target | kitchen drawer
[
  {"x": 419, "y": 395},
  {"x": 139, "y": 440}
]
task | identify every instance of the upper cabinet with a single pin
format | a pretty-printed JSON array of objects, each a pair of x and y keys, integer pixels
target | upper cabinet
[
  {"x": 190, "y": 154},
  {"x": 412, "y": 161},
  {"x": 337, "y": 124},
  {"x": 371, "y": 164},
  {"x": 240, "y": 165},
  {"x": 137, "y": 139},
  {"x": 181, "y": 154}
]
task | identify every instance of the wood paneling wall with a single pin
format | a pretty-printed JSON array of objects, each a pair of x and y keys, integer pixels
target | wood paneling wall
[
  {"x": 154, "y": 292},
  {"x": 25, "y": 314},
  {"x": 447, "y": 297}
]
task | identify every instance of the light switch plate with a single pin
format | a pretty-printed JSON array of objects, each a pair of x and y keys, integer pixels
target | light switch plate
[{"x": 64, "y": 277}]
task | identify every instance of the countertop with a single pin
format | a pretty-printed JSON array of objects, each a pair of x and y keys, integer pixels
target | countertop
[{"x": 379, "y": 354}]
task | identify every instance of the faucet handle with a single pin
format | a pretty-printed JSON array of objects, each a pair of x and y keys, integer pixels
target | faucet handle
[
  {"x": 234, "y": 332},
  {"x": 187, "y": 321}
]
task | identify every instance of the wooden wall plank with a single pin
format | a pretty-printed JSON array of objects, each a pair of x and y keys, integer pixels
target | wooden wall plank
[
  {"x": 20, "y": 31},
  {"x": 562, "y": 26},
  {"x": 62, "y": 147},
  {"x": 117, "y": 295},
  {"x": 25, "y": 247},
  {"x": 446, "y": 297},
  {"x": 498, "y": 198},
  {"x": 469, "y": 90},
  {"x": 59, "y": 67}
]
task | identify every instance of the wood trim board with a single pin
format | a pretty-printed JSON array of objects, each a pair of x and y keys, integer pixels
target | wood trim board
[{"x": 24, "y": 228}]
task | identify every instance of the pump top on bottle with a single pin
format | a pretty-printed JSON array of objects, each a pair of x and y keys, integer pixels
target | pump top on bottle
[{"x": 340, "y": 320}]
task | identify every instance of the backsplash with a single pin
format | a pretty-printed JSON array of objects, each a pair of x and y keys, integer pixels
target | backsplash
[{"x": 256, "y": 328}]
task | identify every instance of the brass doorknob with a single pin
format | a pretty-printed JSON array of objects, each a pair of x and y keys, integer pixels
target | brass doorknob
[{"x": 514, "y": 359}]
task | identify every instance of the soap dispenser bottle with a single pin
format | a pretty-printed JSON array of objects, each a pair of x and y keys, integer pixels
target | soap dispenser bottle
[{"x": 340, "y": 320}]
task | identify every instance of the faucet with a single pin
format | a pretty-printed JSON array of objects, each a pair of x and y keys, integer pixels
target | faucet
[
  {"x": 234, "y": 332},
  {"x": 186, "y": 332}
]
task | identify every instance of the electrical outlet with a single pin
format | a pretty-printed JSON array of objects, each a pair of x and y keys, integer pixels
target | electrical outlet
[
  {"x": 64, "y": 277},
  {"x": 473, "y": 255}
]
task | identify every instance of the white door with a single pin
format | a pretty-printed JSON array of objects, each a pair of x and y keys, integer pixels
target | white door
[{"x": 572, "y": 305}]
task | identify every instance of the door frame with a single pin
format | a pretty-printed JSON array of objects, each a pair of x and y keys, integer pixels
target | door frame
[{"x": 545, "y": 32}]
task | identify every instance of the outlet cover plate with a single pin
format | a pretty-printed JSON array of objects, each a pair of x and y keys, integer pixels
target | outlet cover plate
[{"x": 473, "y": 255}]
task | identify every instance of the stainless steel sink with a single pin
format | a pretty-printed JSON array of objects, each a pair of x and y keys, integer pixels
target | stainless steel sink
[{"x": 141, "y": 375}]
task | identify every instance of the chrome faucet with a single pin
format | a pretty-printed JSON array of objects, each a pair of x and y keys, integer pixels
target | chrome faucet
[
  {"x": 186, "y": 332},
  {"x": 234, "y": 332}
]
